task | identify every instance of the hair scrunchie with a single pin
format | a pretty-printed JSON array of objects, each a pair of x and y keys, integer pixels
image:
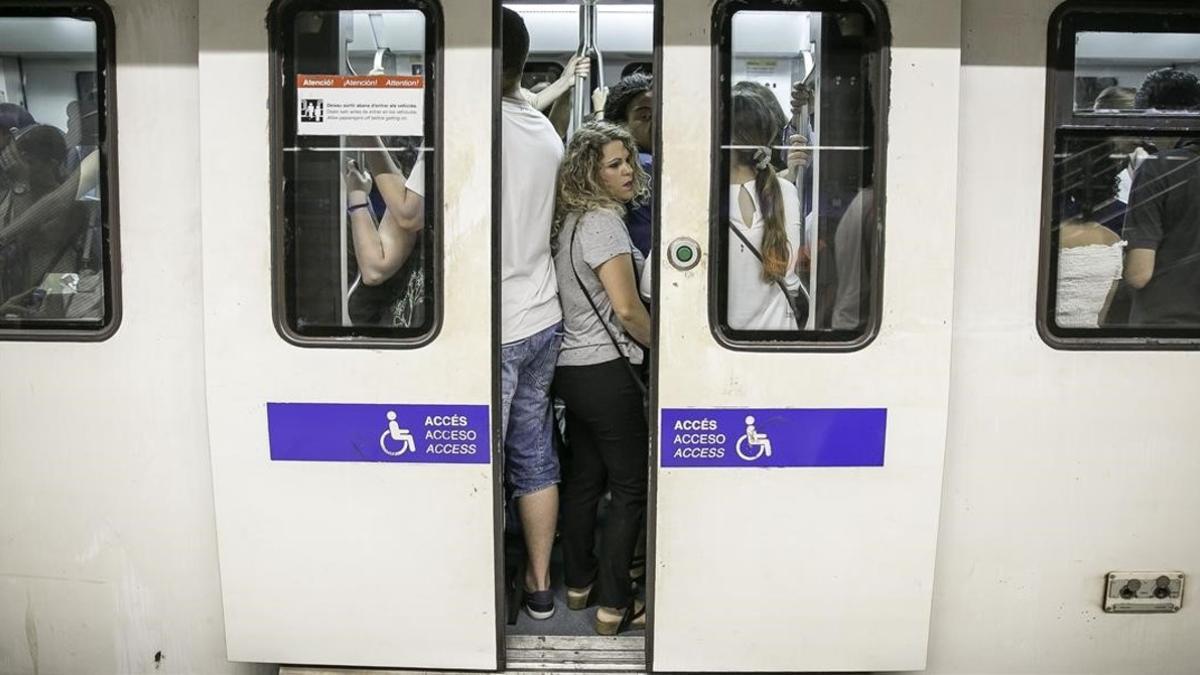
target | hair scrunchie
[{"x": 762, "y": 158}]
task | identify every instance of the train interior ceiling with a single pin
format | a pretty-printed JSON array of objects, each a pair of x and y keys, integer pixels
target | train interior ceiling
[{"x": 1122, "y": 59}]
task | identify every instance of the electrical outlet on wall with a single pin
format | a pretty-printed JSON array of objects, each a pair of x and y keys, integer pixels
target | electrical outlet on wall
[{"x": 1146, "y": 592}]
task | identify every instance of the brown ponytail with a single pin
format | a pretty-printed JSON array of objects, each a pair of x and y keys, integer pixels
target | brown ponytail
[
  {"x": 754, "y": 124},
  {"x": 774, "y": 245}
]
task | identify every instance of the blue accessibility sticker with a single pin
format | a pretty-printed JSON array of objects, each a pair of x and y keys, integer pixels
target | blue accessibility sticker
[
  {"x": 772, "y": 437},
  {"x": 371, "y": 432}
]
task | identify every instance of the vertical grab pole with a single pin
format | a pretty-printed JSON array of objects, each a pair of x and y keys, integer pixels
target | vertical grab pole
[
  {"x": 597, "y": 69},
  {"x": 582, "y": 103}
]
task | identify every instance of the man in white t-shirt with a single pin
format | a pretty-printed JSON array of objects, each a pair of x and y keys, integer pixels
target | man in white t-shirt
[{"x": 531, "y": 320}]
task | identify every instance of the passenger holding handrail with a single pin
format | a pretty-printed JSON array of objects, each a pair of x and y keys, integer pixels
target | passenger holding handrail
[
  {"x": 382, "y": 251},
  {"x": 765, "y": 291},
  {"x": 555, "y": 98},
  {"x": 530, "y": 316},
  {"x": 606, "y": 326},
  {"x": 392, "y": 282}
]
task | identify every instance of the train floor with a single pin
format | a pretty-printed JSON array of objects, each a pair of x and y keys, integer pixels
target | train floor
[{"x": 565, "y": 621}]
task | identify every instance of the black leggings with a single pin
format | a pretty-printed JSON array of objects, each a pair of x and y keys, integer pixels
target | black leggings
[{"x": 608, "y": 440}]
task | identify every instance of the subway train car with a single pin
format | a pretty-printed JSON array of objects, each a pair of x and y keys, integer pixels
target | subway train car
[{"x": 955, "y": 435}]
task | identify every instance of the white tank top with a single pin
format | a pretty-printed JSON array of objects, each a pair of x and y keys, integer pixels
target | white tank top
[{"x": 1085, "y": 276}]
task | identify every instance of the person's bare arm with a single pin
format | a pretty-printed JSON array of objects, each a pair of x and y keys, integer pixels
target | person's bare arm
[
  {"x": 1139, "y": 266},
  {"x": 616, "y": 275},
  {"x": 381, "y": 251},
  {"x": 560, "y": 113},
  {"x": 405, "y": 206},
  {"x": 576, "y": 68}
]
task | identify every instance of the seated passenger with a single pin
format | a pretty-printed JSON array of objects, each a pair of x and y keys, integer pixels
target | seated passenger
[
  {"x": 1089, "y": 258},
  {"x": 605, "y": 327},
  {"x": 1162, "y": 262},
  {"x": 764, "y": 223}
]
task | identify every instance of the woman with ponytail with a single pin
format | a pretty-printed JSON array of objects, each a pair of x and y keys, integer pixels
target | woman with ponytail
[{"x": 764, "y": 209}]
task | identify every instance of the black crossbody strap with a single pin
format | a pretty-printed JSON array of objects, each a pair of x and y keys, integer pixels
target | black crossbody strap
[
  {"x": 801, "y": 317},
  {"x": 583, "y": 289}
]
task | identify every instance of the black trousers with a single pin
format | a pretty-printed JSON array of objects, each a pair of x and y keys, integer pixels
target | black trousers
[{"x": 608, "y": 440}]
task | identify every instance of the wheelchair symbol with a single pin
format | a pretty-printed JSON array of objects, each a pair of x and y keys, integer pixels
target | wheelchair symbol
[
  {"x": 395, "y": 433},
  {"x": 753, "y": 441}
]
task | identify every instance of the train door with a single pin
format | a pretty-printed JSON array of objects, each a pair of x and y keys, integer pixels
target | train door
[
  {"x": 346, "y": 171},
  {"x": 802, "y": 374},
  {"x": 1080, "y": 363}
]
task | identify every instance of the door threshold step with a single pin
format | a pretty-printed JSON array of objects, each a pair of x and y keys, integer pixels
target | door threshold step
[
  {"x": 539, "y": 654},
  {"x": 570, "y": 653}
]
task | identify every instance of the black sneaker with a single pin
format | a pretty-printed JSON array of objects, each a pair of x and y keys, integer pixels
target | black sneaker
[{"x": 539, "y": 604}]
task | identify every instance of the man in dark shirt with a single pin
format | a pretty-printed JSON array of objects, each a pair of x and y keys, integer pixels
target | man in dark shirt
[
  {"x": 631, "y": 104},
  {"x": 1162, "y": 225}
]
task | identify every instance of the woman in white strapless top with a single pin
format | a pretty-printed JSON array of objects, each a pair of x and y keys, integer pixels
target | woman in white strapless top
[{"x": 1089, "y": 266}]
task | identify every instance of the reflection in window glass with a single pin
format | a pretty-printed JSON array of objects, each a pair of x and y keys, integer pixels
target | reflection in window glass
[
  {"x": 798, "y": 224},
  {"x": 358, "y": 163},
  {"x": 1133, "y": 72},
  {"x": 1124, "y": 233},
  {"x": 1123, "y": 247},
  {"x": 54, "y": 234}
]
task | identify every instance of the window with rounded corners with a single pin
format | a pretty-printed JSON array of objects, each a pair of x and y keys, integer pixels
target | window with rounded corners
[
  {"x": 799, "y": 127},
  {"x": 1120, "y": 262},
  {"x": 59, "y": 274},
  {"x": 356, "y": 133}
]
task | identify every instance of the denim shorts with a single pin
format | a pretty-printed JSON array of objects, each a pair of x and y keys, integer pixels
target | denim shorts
[{"x": 526, "y": 418}]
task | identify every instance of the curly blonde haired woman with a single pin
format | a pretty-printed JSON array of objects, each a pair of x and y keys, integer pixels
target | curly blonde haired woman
[{"x": 605, "y": 323}]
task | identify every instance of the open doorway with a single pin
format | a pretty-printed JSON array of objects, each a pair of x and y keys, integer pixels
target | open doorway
[{"x": 570, "y": 559}]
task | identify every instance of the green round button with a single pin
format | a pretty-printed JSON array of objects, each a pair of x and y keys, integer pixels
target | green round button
[{"x": 684, "y": 254}]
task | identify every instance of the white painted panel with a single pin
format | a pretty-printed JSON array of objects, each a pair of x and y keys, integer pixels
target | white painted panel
[
  {"x": 1061, "y": 466},
  {"x": 811, "y": 569},
  {"x": 328, "y": 563},
  {"x": 107, "y": 543}
]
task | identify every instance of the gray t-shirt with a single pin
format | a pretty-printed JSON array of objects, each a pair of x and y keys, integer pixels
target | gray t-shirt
[{"x": 602, "y": 236}]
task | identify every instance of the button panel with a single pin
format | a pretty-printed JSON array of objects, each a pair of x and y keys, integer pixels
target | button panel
[
  {"x": 1157, "y": 592},
  {"x": 683, "y": 253}
]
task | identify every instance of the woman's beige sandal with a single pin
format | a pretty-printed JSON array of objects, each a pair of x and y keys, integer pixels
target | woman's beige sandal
[
  {"x": 611, "y": 622},
  {"x": 579, "y": 598}
]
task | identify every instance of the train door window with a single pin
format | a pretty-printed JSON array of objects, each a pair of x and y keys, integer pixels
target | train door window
[
  {"x": 1120, "y": 242},
  {"x": 58, "y": 274},
  {"x": 797, "y": 229},
  {"x": 356, "y": 126}
]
